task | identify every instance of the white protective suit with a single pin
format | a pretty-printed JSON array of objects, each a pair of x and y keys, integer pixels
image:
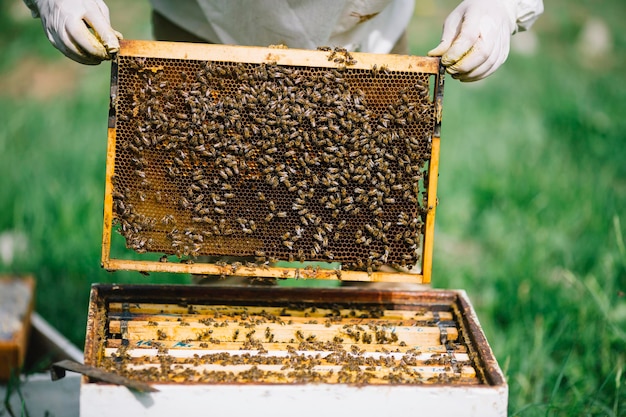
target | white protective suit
[{"x": 358, "y": 25}]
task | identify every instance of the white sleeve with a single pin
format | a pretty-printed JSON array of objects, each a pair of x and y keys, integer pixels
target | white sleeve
[{"x": 527, "y": 11}]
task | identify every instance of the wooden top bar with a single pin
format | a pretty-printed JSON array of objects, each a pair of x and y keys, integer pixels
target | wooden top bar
[{"x": 280, "y": 56}]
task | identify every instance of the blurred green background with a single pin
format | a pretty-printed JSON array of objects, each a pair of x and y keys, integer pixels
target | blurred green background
[{"x": 532, "y": 192}]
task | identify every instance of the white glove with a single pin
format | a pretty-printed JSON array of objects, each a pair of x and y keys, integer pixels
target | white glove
[
  {"x": 67, "y": 24},
  {"x": 476, "y": 38}
]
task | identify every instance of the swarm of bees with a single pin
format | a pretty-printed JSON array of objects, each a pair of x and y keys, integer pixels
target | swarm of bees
[
  {"x": 293, "y": 344},
  {"x": 272, "y": 162}
]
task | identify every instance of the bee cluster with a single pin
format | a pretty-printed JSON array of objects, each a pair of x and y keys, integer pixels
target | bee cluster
[
  {"x": 285, "y": 344},
  {"x": 272, "y": 162}
]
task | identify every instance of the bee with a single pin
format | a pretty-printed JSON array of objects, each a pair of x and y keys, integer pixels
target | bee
[
  {"x": 422, "y": 89},
  {"x": 317, "y": 248},
  {"x": 184, "y": 203}
]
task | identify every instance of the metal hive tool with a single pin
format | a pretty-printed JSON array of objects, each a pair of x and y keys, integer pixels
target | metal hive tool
[{"x": 269, "y": 154}]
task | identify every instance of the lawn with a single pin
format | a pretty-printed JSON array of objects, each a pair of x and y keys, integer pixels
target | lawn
[{"x": 531, "y": 219}]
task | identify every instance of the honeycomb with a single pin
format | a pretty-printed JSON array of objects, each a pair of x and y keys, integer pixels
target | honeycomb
[{"x": 272, "y": 162}]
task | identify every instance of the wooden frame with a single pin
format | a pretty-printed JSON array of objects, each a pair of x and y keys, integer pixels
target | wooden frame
[{"x": 282, "y": 57}]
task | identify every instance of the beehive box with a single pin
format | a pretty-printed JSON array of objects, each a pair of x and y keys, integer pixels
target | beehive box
[
  {"x": 16, "y": 305},
  {"x": 273, "y": 163},
  {"x": 282, "y": 351}
]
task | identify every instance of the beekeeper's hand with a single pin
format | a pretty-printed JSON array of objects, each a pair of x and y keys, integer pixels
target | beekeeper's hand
[
  {"x": 477, "y": 36},
  {"x": 81, "y": 29}
]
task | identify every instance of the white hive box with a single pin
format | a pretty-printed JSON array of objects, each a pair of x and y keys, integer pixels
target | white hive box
[{"x": 415, "y": 351}]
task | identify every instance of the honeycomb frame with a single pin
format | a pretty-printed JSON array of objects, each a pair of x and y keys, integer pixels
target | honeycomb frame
[
  {"x": 271, "y": 154},
  {"x": 134, "y": 329}
]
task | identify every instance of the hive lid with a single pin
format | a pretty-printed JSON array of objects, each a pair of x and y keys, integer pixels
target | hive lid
[{"x": 272, "y": 162}]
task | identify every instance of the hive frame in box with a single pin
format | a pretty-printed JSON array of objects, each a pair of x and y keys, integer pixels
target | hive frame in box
[
  {"x": 281, "y": 57},
  {"x": 306, "y": 399}
]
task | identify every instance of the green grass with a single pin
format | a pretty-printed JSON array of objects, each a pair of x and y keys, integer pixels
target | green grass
[{"x": 531, "y": 220}]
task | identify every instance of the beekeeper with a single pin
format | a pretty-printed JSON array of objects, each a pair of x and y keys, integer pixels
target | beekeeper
[{"x": 475, "y": 41}]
